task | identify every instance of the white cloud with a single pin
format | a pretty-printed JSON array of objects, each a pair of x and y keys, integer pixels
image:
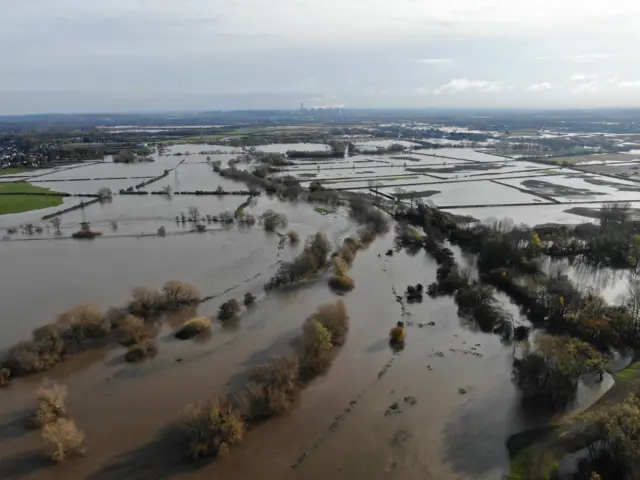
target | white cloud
[
  {"x": 581, "y": 77},
  {"x": 588, "y": 87},
  {"x": 629, "y": 84},
  {"x": 463, "y": 84},
  {"x": 539, "y": 87},
  {"x": 435, "y": 61}
]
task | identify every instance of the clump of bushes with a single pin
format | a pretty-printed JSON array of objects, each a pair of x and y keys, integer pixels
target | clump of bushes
[
  {"x": 50, "y": 405},
  {"x": 51, "y": 343},
  {"x": 333, "y": 317},
  {"x": 247, "y": 220},
  {"x": 397, "y": 334},
  {"x": 140, "y": 351},
  {"x": 342, "y": 283},
  {"x": 84, "y": 322},
  {"x": 174, "y": 296},
  {"x": 294, "y": 237},
  {"x": 272, "y": 220},
  {"x": 209, "y": 428},
  {"x": 193, "y": 327},
  {"x": 366, "y": 214},
  {"x": 414, "y": 293},
  {"x": 274, "y": 387},
  {"x": 145, "y": 301},
  {"x": 312, "y": 259},
  {"x": 31, "y": 357},
  {"x": 179, "y": 294},
  {"x": 229, "y": 310},
  {"x": 315, "y": 346},
  {"x": 249, "y": 299},
  {"x": 130, "y": 330},
  {"x": 63, "y": 439}
]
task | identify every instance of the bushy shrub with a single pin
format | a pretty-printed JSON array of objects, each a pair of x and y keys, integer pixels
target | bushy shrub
[
  {"x": 397, "y": 334},
  {"x": 247, "y": 220},
  {"x": 339, "y": 264},
  {"x": 82, "y": 323},
  {"x": 63, "y": 439},
  {"x": 193, "y": 327},
  {"x": 314, "y": 349},
  {"x": 130, "y": 330},
  {"x": 26, "y": 358},
  {"x": 367, "y": 214},
  {"x": 50, "y": 405},
  {"x": 180, "y": 294},
  {"x": 334, "y": 317},
  {"x": 294, "y": 237},
  {"x": 312, "y": 259},
  {"x": 342, "y": 283},
  {"x": 229, "y": 310},
  {"x": 272, "y": 220},
  {"x": 145, "y": 349},
  {"x": 249, "y": 299},
  {"x": 274, "y": 387},
  {"x": 210, "y": 428},
  {"x": 5, "y": 377},
  {"x": 145, "y": 301},
  {"x": 349, "y": 249},
  {"x": 366, "y": 235}
]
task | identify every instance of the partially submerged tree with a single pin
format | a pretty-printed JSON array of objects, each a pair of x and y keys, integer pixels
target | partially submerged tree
[
  {"x": 229, "y": 310},
  {"x": 274, "y": 387},
  {"x": 145, "y": 301},
  {"x": 180, "y": 294},
  {"x": 548, "y": 374},
  {"x": 55, "y": 223},
  {"x": 210, "y": 428},
  {"x": 272, "y": 220},
  {"x": 63, "y": 439},
  {"x": 50, "y": 405}
]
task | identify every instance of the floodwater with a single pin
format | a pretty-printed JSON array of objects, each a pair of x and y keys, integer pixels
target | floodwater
[
  {"x": 530, "y": 215},
  {"x": 346, "y": 425},
  {"x": 440, "y": 409},
  {"x": 475, "y": 193}
]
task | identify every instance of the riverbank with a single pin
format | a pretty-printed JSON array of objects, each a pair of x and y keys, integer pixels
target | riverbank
[
  {"x": 536, "y": 454},
  {"x": 34, "y": 198}
]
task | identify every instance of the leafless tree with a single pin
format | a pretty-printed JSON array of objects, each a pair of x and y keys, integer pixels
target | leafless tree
[
  {"x": 55, "y": 223},
  {"x": 194, "y": 214}
]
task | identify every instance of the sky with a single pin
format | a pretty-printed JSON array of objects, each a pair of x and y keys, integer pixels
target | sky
[{"x": 68, "y": 56}]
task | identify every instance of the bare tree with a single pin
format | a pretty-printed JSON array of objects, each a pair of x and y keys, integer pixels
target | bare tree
[
  {"x": 194, "y": 214},
  {"x": 400, "y": 193},
  {"x": 55, "y": 223}
]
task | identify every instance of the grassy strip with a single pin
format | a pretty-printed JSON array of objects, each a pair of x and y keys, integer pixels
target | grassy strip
[
  {"x": 24, "y": 203},
  {"x": 12, "y": 170}
]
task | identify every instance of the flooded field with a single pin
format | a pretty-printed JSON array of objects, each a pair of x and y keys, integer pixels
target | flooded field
[{"x": 441, "y": 409}]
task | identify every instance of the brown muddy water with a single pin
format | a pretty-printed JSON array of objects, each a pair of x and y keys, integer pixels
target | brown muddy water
[
  {"x": 374, "y": 415},
  {"x": 440, "y": 409}
]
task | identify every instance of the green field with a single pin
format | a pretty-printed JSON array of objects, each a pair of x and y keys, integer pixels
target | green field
[
  {"x": 24, "y": 203},
  {"x": 12, "y": 170}
]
